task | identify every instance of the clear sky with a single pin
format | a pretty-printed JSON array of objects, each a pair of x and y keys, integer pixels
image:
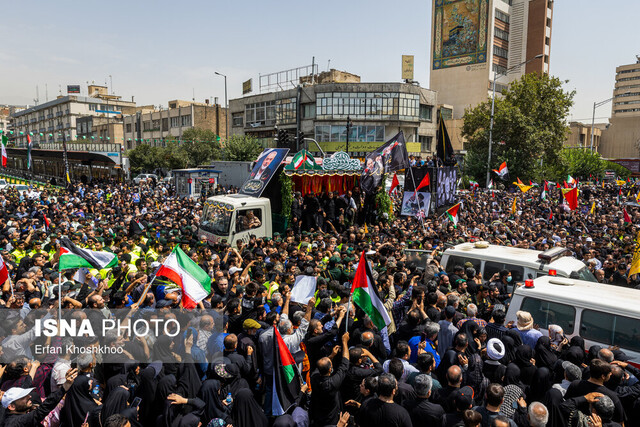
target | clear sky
[{"x": 162, "y": 50}]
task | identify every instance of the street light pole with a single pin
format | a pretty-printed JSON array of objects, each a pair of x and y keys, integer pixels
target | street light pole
[
  {"x": 226, "y": 106},
  {"x": 496, "y": 76},
  {"x": 593, "y": 117}
]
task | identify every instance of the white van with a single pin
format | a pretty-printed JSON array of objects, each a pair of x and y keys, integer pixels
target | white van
[
  {"x": 602, "y": 314},
  {"x": 523, "y": 263}
]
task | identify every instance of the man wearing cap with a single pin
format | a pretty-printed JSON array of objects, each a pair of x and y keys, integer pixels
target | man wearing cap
[
  {"x": 20, "y": 410},
  {"x": 524, "y": 326},
  {"x": 571, "y": 373}
]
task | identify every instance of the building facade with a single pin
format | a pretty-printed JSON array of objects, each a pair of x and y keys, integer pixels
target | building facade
[
  {"x": 475, "y": 41},
  {"x": 154, "y": 127},
  {"x": 375, "y": 111},
  {"x": 580, "y": 136},
  {"x": 46, "y": 123},
  {"x": 621, "y": 139}
]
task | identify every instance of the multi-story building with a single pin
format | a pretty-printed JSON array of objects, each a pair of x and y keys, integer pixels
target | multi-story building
[
  {"x": 580, "y": 136},
  {"x": 474, "y": 41},
  {"x": 154, "y": 127},
  {"x": 48, "y": 122},
  {"x": 376, "y": 112},
  {"x": 621, "y": 139}
]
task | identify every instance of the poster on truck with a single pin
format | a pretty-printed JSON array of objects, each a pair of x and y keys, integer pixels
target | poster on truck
[{"x": 265, "y": 167}]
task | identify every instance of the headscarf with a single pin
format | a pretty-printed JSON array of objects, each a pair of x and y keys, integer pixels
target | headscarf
[
  {"x": 115, "y": 403},
  {"x": 285, "y": 420},
  {"x": 542, "y": 382},
  {"x": 78, "y": 402},
  {"x": 524, "y": 354},
  {"x": 509, "y": 350},
  {"x": 545, "y": 357},
  {"x": 593, "y": 352},
  {"x": 470, "y": 329},
  {"x": 556, "y": 335},
  {"x": 577, "y": 341},
  {"x": 246, "y": 412},
  {"x": 512, "y": 393},
  {"x": 210, "y": 395},
  {"x": 513, "y": 333},
  {"x": 575, "y": 355},
  {"x": 512, "y": 376}
]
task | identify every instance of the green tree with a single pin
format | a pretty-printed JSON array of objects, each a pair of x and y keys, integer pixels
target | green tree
[
  {"x": 145, "y": 158},
  {"x": 196, "y": 147},
  {"x": 528, "y": 131},
  {"x": 242, "y": 148}
]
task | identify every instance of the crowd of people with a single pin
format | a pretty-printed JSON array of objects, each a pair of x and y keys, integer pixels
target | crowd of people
[{"x": 448, "y": 358}]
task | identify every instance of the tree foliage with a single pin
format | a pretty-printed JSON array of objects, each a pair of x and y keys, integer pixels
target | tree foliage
[
  {"x": 528, "y": 131},
  {"x": 195, "y": 147},
  {"x": 584, "y": 165},
  {"x": 242, "y": 148}
]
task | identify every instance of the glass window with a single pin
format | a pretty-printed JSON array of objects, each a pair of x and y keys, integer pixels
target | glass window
[
  {"x": 547, "y": 313},
  {"x": 175, "y": 122},
  {"x": 425, "y": 112},
  {"x": 491, "y": 268},
  {"x": 610, "y": 329},
  {"x": 455, "y": 260},
  {"x": 236, "y": 119},
  {"x": 248, "y": 219},
  {"x": 186, "y": 120}
]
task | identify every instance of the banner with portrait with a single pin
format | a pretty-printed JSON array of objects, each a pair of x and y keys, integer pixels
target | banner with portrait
[
  {"x": 446, "y": 179},
  {"x": 265, "y": 167},
  {"x": 415, "y": 204}
]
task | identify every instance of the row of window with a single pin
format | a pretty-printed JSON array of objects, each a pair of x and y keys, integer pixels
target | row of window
[
  {"x": 502, "y": 16},
  {"x": 627, "y": 102},
  {"x": 633, "y": 70},
  {"x": 501, "y": 34},
  {"x": 269, "y": 113},
  {"x": 629, "y": 110},
  {"x": 338, "y": 133},
  {"x": 626, "y": 79},
  {"x": 499, "y": 69},
  {"x": 368, "y": 105},
  {"x": 501, "y": 52},
  {"x": 605, "y": 328},
  {"x": 103, "y": 107}
]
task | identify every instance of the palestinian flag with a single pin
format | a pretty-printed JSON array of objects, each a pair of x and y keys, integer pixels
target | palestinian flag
[
  {"x": 545, "y": 190},
  {"x": 72, "y": 256},
  {"x": 184, "y": 272},
  {"x": 571, "y": 180},
  {"x": 4, "y": 150},
  {"x": 365, "y": 295},
  {"x": 286, "y": 378},
  {"x": 452, "y": 213},
  {"x": 136, "y": 228},
  {"x": 490, "y": 185},
  {"x": 627, "y": 218},
  {"x": 502, "y": 171},
  {"x": 47, "y": 222}
]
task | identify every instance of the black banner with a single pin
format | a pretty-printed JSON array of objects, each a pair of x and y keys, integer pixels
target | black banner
[{"x": 390, "y": 157}]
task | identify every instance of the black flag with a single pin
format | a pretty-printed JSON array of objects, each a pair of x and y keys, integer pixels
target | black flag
[
  {"x": 444, "y": 150},
  {"x": 390, "y": 157}
]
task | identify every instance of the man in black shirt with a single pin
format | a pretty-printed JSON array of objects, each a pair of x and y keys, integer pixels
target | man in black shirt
[
  {"x": 326, "y": 402},
  {"x": 422, "y": 411},
  {"x": 600, "y": 372},
  {"x": 383, "y": 412}
]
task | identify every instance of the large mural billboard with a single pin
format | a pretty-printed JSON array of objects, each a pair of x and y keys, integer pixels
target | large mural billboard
[{"x": 460, "y": 32}]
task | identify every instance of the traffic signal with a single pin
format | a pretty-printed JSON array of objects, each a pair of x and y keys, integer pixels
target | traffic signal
[
  {"x": 300, "y": 139},
  {"x": 283, "y": 139}
]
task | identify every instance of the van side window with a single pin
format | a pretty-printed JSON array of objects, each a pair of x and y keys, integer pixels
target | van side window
[
  {"x": 610, "y": 329},
  {"x": 547, "y": 313},
  {"x": 248, "y": 219},
  {"x": 516, "y": 271},
  {"x": 491, "y": 268},
  {"x": 458, "y": 260}
]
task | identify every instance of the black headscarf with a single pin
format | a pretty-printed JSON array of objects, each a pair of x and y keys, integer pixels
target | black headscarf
[
  {"x": 509, "y": 350},
  {"x": 78, "y": 402},
  {"x": 577, "y": 341},
  {"x": 575, "y": 355},
  {"x": 517, "y": 339},
  {"x": 593, "y": 352},
  {"x": 512, "y": 376},
  {"x": 542, "y": 382},
  {"x": 246, "y": 412},
  {"x": 545, "y": 357},
  {"x": 147, "y": 391},
  {"x": 285, "y": 420},
  {"x": 470, "y": 329},
  {"x": 115, "y": 403},
  {"x": 524, "y": 354},
  {"x": 210, "y": 395}
]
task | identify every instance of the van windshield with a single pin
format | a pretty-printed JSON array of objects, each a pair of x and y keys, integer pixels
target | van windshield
[
  {"x": 584, "y": 274},
  {"x": 216, "y": 218}
]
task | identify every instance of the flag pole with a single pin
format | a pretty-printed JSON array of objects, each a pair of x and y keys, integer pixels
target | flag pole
[
  {"x": 346, "y": 321},
  {"x": 59, "y": 294},
  {"x": 416, "y": 194},
  {"x": 146, "y": 289}
]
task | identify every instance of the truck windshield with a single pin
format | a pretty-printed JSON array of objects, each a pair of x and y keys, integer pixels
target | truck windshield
[{"x": 216, "y": 218}]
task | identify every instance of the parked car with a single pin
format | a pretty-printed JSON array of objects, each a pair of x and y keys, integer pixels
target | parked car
[
  {"x": 3, "y": 184},
  {"x": 142, "y": 176},
  {"x": 168, "y": 179}
]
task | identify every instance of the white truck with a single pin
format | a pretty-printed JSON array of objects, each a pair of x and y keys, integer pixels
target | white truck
[{"x": 236, "y": 217}]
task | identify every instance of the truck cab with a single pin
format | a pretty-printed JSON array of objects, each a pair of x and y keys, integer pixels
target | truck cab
[{"x": 235, "y": 217}]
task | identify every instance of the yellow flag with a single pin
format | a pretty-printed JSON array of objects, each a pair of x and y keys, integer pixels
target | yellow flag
[
  {"x": 513, "y": 207},
  {"x": 638, "y": 197},
  {"x": 366, "y": 230},
  {"x": 635, "y": 262},
  {"x": 620, "y": 182},
  {"x": 593, "y": 208},
  {"x": 523, "y": 188}
]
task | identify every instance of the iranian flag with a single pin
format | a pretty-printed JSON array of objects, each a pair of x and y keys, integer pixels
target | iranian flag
[
  {"x": 302, "y": 159},
  {"x": 4, "y": 150},
  {"x": 286, "y": 378},
  {"x": 183, "y": 271},
  {"x": 365, "y": 295},
  {"x": 72, "y": 256},
  {"x": 452, "y": 213}
]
